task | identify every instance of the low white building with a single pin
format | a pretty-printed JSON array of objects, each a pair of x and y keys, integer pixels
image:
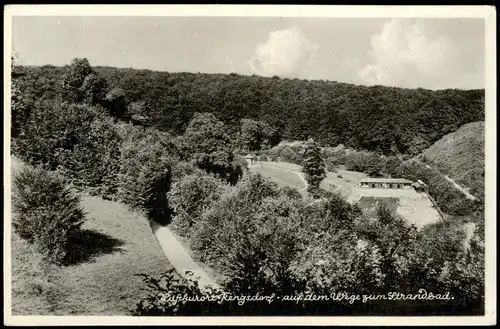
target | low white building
[{"x": 392, "y": 183}]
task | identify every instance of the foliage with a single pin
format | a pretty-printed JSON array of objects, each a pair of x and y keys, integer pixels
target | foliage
[
  {"x": 439, "y": 262},
  {"x": 18, "y": 107},
  {"x": 259, "y": 237},
  {"x": 78, "y": 140},
  {"x": 394, "y": 239},
  {"x": 262, "y": 240},
  {"x": 94, "y": 162},
  {"x": 169, "y": 295},
  {"x": 291, "y": 192},
  {"x": 256, "y": 135},
  {"x": 146, "y": 174},
  {"x": 47, "y": 213},
  {"x": 163, "y": 291},
  {"x": 189, "y": 197},
  {"x": 382, "y": 119},
  {"x": 370, "y": 163},
  {"x": 116, "y": 103},
  {"x": 207, "y": 144},
  {"x": 267, "y": 230},
  {"x": 314, "y": 166},
  {"x": 81, "y": 84},
  {"x": 180, "y": 169}
]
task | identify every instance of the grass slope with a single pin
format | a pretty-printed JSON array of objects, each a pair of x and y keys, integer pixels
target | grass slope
[
  {"x": 114, "y": 245},
  {"x": 282, "y": 177},
  {"x": 460, "y": 155}
]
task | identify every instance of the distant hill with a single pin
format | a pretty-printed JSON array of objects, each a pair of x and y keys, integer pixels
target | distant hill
[
  {"x": 388, "y": 120},
  {"x": 460, "y": 155}
]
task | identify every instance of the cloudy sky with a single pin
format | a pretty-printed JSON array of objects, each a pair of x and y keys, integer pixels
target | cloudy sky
[{"x": 427, "y": 53}]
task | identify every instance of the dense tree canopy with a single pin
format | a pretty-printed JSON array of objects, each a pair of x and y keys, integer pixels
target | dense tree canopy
[
  {"x": 256, "y": 135},
  {"x": 383, "y": 119},
  {"x": 208, "y": 145}
]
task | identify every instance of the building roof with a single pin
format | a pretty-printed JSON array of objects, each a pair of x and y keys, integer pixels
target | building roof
[
  {"x": 421, "y": 183},
  {"x": 249, "y": 156},
  {"x": 386, "y": 180}
]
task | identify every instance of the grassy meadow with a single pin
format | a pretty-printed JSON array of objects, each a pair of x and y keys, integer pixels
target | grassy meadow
[{"x": 282, "y": 177}]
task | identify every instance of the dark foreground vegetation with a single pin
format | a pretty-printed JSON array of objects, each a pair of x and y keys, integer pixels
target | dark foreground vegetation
[{"x": 158, "y": 145}]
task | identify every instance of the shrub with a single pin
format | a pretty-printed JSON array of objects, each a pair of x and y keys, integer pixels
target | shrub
[
  {"x": 46, "y": 212},
  {"x": 318, "y": 193},
  {"x": 252, "y": 245},
  {"x": 162, "y": 291},
  {"x": 291, "y": 192},
  {"x": 189, "y": 197},
  {"x": 208, "y": 145},
  {"x": 94, "y": 163},
  {"x": 146, "y": 174},
  {"x": 249, "y": 192},
  {"x": 53, "y": 129},
  {"x": 78, "y": 140},
  {"x": 180, "y": 169}
]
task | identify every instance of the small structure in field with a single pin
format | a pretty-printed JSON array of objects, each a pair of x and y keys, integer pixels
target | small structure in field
[
  {"x": 249, "y": 158},
  {"x": 391, "y": 183},
  {"x": 420, "y": 186}
]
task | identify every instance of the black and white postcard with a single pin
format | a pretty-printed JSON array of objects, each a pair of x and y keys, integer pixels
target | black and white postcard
[{"x": 249, "y": 165}]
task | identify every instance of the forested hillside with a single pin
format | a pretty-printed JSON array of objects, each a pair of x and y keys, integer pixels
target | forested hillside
[
  {"x": 382, "y": 119},
  {"x": 78, "y": 131},
  {"x": 460, "y": 155}
]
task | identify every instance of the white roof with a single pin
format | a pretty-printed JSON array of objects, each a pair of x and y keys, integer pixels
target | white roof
[{"x": 386, "y": 180}]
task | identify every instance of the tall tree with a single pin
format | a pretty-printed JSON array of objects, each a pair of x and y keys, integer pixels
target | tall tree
[
  {"x": 207, "y": 144},
  {"x": 81, "y": 84},
  {"x": 314, "y": 166},
  {"x": 256, "y": 135}
]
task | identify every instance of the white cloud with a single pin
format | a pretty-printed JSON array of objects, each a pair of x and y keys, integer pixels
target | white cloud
[
  {"x": 403, "y": 54},
  {"x": 285, "y": 53}
]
